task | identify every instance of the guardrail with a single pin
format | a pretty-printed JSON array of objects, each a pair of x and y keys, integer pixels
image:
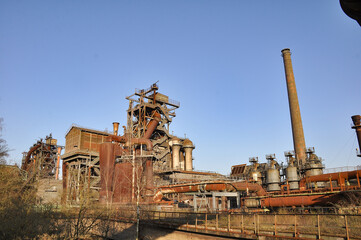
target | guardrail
[{"x": 301, "y": 226}]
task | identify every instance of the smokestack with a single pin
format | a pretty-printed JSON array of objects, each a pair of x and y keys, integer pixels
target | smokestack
[
  {"x": 297, "y": 129},
  {"x": 115, "y": 128},
  {"x": 357, "y": 126}
]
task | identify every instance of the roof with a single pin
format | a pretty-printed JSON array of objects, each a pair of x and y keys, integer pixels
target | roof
[{"x": 87, "y": 130}]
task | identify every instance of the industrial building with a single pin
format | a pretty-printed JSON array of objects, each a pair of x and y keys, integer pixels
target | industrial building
[{"x": 148, "y": 165}]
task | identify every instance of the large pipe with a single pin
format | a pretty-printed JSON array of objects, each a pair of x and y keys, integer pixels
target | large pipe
[
  {"x": 357, "y": 126},
  {"x": 297, "y": 129},
  {"x": 302, "y": 200},
  {"x": 210, "y": 186},
  {"x": 28, "y": 155},
  {"x": 133, "y": 141},
  {"x": 152, "y": 125},
  {"x": 340, "y": 177}
]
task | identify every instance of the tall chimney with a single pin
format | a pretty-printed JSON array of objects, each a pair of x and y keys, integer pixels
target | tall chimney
[
  {"x": 297, "y": 129},
  {"x": 357, "y": 126}
]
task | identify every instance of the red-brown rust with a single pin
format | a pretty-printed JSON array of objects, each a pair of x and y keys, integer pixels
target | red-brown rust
[
  {"x": 152, "y": 125},
  {"x": 340, "y": 177},
  {"x": 210, "y": 186},
  {"x": 65, "y": 181},
  {"x": 106, "y": 162},
  {"x": 57, "y": 163},
  {"x": 27, "y": 158},
  {"x": 133, "y": 141},
  {"x": 149, "y": 177},
  {"x": 123, "y": 183},
  {"x": 302, "y": 200}
]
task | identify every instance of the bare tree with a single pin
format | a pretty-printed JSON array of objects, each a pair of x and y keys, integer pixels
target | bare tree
[{"x": 4, "y": 150}]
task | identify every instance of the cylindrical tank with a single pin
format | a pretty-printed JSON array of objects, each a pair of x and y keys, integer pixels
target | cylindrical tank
[
  {"x": 273, "y": 179},
  {"x": 292, "y": 177},
  {"x": 188, "y": 148},
  {"x": 176, "y": 146},
  {"x": 252, "y": 203},
  {"x": 314, "y": 169}
]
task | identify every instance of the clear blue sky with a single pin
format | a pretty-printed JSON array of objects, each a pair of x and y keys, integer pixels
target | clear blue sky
[{"x": 64, "y": 62}]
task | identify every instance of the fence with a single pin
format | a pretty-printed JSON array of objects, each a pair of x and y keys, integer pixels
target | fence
[{"x": 302, "y": 226}]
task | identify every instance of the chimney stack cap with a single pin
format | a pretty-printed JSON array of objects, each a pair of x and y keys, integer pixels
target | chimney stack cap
[{"x": 285, "y": 50}]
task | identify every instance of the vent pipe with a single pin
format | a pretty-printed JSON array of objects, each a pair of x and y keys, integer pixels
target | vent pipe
[
  {"x": 115, "y": 128},
  {"x": 297, "y": 129}
]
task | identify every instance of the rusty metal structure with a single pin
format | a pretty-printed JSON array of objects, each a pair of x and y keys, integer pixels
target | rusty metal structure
[
  {"x": 148, "y": 164},
  {"x": 81, "y": 170},
  {"x": 301, "y": 182},
  {"x": 43, "y": 159}
]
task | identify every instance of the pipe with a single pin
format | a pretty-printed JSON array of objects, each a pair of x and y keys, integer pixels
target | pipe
[
  {"x": 27, "y": 158},
  {"x": 340, "y": 177},
  {"x": 115, "y": 128},
  {"x": 152, "y": 124},
  {"x": 210, "y": 186},
  {"x": 301, "y": 200},
  {"x": 297, "y": 129},
  {"x": 357, "y": 126},
  {"x": 133, "y": 141}
]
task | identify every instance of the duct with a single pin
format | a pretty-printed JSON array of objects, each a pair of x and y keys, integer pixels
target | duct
[
  {"x": 297, "y": 129},
  {"x": 152, "y": 125},
  {"x": 340, "y": 177},
  {"x": 26, "y": 162},
  {"x": 300, "y": 200},
  {"x": 209, "y": 187},
  {"x": 133, "y": 141},
  {"x": 357, "y": 126}
]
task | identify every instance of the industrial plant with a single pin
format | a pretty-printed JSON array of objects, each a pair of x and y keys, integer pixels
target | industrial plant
[{"x": 143, "y": 163}]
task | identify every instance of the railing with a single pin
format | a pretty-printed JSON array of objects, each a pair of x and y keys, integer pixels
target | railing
[
  {"x": 342, "y": 169},
  {"x": 302, "y": 226}
]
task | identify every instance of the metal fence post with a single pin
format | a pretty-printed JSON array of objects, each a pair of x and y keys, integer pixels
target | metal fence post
[
  {"x": 346, "y": 225},
  {"x": 206, "y": 220},
  {"x": 228, "y": 222},
  {"x": 275, "y": 225},
  {"x": 295, "y": 225},
  {"x": 217, "y": 221},
  {"x": 242, "y": 225},
  {"x": 318, "y": 226},
  {"x": 255, "y": 224},
  {"x": 196, "y": 220}
]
